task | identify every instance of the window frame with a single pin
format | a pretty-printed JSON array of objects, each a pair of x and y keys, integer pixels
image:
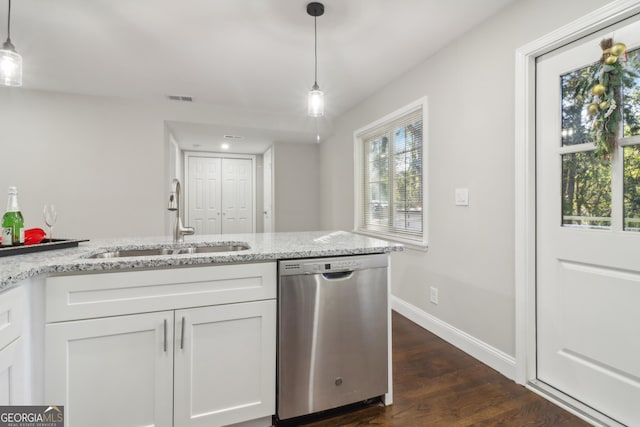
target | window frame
[{"x": 359, "y": 176}]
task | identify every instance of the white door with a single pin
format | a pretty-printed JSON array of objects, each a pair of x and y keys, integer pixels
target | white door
[
  {"x": 237, "y": 196},
  {"x": 225, "y": 364},
  {"x": 268, "y": 194},
  {"x": 115, "y": 371},
  {"x": 204, "y": 187},
  {"x": 588, "y": 239}
]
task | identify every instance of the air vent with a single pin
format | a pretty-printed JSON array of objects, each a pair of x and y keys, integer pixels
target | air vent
[
  {"x": 180, "y": 98},
  {"x": 232, "y": 137}
]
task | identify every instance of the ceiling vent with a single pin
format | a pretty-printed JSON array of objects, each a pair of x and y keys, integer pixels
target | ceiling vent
[
  {"x": 232, "y": 137},
  {"x": 180, "y": 98}
]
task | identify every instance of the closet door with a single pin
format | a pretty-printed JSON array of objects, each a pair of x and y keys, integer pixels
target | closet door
[
  {"x": 204, "y": 195},
  {"x": 237, "y": 196}
]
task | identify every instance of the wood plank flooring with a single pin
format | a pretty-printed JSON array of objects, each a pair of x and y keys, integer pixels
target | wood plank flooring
[{"x": 436, "y": 384}]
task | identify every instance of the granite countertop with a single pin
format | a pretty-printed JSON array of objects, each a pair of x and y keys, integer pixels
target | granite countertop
[{"x": 263, "y": 247}]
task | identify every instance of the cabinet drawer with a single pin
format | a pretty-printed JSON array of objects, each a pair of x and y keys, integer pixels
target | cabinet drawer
[
  {"x": 84, "y": 296},
  {"x": 11, "y": 315}
]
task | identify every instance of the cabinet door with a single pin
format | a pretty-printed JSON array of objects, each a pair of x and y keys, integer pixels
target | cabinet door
[
  {"x": 225, "y": 364},
  {"x": 12, "y": 360},
  {"x": 12, "y": 374},
  {"x": 114, "y": 371}
]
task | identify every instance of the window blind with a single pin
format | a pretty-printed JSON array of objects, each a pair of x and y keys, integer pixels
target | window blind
[{"x": 392, "y": 193}]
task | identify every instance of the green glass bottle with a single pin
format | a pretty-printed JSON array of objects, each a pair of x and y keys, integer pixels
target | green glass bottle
[{"x": 12, "y": 221}]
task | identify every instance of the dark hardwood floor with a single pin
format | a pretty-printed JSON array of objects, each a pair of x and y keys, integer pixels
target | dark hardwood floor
[{"x": 435, "y": 384}]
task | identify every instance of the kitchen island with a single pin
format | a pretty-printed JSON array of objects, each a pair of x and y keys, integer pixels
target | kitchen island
[
  {"x": 262, "y": 247},
  {"x": 178, "y": 339}
]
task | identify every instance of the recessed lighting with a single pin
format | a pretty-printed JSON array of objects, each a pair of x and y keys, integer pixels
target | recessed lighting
[{"x": 224, "y": 146}]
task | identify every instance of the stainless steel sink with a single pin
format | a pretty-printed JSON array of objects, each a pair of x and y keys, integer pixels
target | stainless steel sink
[{"x": 123, "y": 253}]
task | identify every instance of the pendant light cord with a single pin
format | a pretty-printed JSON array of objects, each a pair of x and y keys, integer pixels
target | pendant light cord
[
  {"x": 9, "y": 23},
  {"x": 315, "y": 37}
]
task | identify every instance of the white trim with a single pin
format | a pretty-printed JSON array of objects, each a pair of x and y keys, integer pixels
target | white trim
[
  {"x": 420, "y": 103},
  {"x": 630, "y": 140},
  {"x": 213, "y": 155},
  {"x": 273, "y": 189},
  {"x": 525, "y": 243},
  {"x": 406, "y": 243},
  {"x": 485, "y": 353},
  {"x": 571, "y": 405}
]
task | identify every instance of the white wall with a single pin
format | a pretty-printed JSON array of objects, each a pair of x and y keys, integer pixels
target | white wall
[
  {"x": 296, "y": 170},
  {"x": 470, "y": 90},
  {"x": 103, "y": 161}
]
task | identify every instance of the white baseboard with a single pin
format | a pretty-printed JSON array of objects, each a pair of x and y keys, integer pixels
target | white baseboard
[{"x": 482, "y": 351}]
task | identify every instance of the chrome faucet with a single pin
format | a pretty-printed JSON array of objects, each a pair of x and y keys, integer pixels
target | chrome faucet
[{"x": 179, "y": 230}]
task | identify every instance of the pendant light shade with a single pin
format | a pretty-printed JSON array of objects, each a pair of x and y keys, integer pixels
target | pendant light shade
[
  {"x": 10, "y": 60},
  {"x": 316, "y": 102},
  {"x": 316, "y": 96}
]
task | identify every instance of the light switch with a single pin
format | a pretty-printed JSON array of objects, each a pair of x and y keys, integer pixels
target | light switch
[{"x": 462, "y": 197}]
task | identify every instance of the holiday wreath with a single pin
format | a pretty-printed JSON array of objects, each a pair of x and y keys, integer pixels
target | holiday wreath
[{"x": 605, "y": 86}]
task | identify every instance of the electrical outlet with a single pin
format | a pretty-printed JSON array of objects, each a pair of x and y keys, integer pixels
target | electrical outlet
[{"x": 434, "y": 295}]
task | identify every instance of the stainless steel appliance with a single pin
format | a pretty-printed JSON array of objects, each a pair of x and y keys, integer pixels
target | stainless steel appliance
[{"x": 332, "y": 333}]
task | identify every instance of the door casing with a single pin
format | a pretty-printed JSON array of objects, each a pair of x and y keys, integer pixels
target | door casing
[
  {"x": 267, "y": 206},
  {"x": 525, "y": 191}
]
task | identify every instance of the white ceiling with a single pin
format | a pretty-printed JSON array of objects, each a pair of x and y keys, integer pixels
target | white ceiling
[
  {"x": 254, "y": 54},
  {"x": 242, "y": 140}
]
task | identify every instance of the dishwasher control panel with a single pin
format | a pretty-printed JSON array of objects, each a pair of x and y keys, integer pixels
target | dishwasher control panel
[{"x": 331, "y": 265}]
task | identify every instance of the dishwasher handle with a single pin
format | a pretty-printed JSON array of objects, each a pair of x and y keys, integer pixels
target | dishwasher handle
[{"x": 339, "y": 275}]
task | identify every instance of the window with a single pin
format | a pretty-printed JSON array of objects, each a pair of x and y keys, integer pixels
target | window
[
  {"x": 390, "y": 190},
  {"x": 591, "y": 196}
]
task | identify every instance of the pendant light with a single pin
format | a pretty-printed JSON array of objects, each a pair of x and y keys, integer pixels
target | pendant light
[
  {"x": 10, "y": 60},
  {"x": 316, "y": 96}
]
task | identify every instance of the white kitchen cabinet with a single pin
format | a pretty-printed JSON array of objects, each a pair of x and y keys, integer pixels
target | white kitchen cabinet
[
  {"x": 224, "y": 364},
  {"x": 115, "y": 371},
  {"x": 212, "y": 365},
  {"x": 12, "y": 374},
  {"x": 12, "y": 360}
]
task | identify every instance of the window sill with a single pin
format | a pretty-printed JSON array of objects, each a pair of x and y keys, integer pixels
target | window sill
[{"x": 406, "y": 243}]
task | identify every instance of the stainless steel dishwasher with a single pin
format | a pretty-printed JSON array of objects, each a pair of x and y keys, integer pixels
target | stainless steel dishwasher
[{"x": 332, "y": 333}]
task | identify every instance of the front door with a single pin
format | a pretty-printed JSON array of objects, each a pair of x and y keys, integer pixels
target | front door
[{"x": 588, "y": 234}]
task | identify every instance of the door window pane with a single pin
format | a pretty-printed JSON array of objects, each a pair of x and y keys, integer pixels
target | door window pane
[
  {"x": 632, "y": 188},
  {"x": 576, "y": 123},
  {"x": 632, "y": 95},
  {"x": 586, "y": 191}
]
